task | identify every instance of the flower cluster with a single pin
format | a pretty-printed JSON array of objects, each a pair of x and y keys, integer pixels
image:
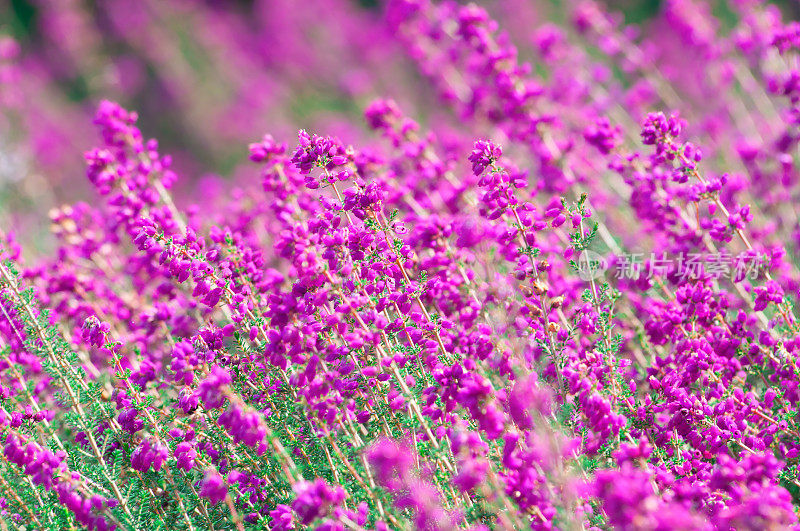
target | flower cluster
[{"x": 388, "y": 324}]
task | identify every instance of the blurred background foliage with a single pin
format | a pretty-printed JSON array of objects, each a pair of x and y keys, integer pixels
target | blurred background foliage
[
  {"x": 209, "y": 77},
  {"x": 84, "y": 56}
]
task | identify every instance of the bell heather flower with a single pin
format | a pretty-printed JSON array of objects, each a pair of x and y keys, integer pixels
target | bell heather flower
[
  {"x": 315, "y": 499},
  {"x": 148, "y": 454},
  {"x": 392, "y": 321},
  {"x": 483, "y": 155},
  {"x": 213, "y": 487},
  {"x": 209, "y": 390}
]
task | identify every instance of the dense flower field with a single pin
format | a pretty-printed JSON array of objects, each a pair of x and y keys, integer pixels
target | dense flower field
[{"x": 525, "y": 265}]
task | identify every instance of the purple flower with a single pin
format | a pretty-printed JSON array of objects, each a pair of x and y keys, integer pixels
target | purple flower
[
  {"x": 148, "y": 454},
  {"x": 483, "y": 155},
  {"x": 315, "y": 499},
  {"x": 209, "y": 390},
  {"x": 94, "y": 332},
  {"x": 212, "y": 487}
]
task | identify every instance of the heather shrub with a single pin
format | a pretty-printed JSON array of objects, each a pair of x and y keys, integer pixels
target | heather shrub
[{"x": 457, "y": 266}]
